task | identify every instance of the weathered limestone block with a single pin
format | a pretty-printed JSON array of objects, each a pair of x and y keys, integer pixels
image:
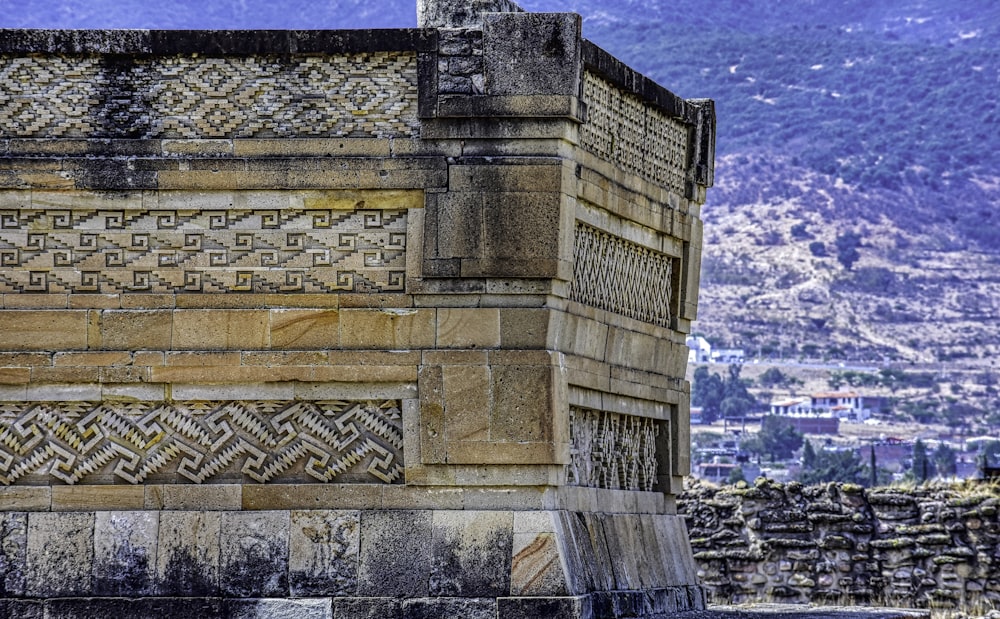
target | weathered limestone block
[
  {"x": 60, "y": 554},
  {"x": 323, "y": 553},
  {"x": 125, "y": 546},
  {"x": 188, "y": 549},
  {"x": 253, "y": 560}
]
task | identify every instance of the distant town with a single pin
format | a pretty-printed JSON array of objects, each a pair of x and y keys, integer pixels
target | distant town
[{"x": 775, "y": 426}]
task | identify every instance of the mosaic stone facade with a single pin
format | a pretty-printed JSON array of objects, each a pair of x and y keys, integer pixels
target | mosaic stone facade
[
  {"x": 617, "y": 275},
  {"x": 612, "y": 450},
  {"x": 200, "y": 442},
  {"x": 166, "y": 251},
  {"x": 628, "y": 132},
  {"x": 370, "y": 94}
]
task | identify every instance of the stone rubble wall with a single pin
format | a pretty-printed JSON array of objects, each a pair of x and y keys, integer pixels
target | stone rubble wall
[{"x": 925, "y": 547}]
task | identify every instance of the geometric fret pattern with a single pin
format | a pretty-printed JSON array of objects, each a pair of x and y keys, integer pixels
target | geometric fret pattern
[
  {"x": 620, "y": 276},
  {"x": 200, "y": 442},
  {"x": 624, "y": 130},
  {"x": 612, "y": 450},
  {"x": 356, "y": 95},
  {"x": 288, "y": 250}
]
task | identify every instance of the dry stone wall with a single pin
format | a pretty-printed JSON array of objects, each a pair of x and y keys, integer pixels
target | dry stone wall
[{"x": 929, "y": 547}]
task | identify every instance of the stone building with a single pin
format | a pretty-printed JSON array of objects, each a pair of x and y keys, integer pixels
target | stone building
[{"x": 345, "y": 323}]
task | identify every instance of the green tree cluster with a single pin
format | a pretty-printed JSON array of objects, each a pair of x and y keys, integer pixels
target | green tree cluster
[
  {"x": 777, "y": 440},
  {"x": 822, "y": 466},
  {"x": 721, "y": 397}
]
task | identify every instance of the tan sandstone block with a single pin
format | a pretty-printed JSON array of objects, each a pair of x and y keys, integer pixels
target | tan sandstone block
[
  {"x": 207, "y": 497},
  {"x": 14, "y": 376},
  {"x": 86, "y": 498},
  {"x": 91, "y": 358},
  {"x": 220, "y": 329},
  {"x": 312, "y": 496},
  {"x": 305, "y": 329},
  {"x": 522, "y": 401},
  {"x": 524, "y": 327},
  {"x": 468, "y": 328},
  {"x": 25, "y": 498},
  {"x": 203, "y": 359},
  {"x": 136, "y": 329},
  {"x": 392, "y": 329},
  {"x": 35, "y": 301},
  {"x": 43, "y": 330},
  {"x": 467, "y": 403}
]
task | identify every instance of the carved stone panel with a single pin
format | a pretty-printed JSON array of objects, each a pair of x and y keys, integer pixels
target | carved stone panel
[
  {"x": 612, "y": 450},
  {"x": 201, "y": 442}
]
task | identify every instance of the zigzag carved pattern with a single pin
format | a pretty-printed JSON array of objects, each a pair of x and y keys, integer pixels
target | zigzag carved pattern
[
  {"x": 363, "y": 95},
  {"x": 619, "y": 276},
  {"x": 612, "y": 450},
  {"x": 177, "y": 251},
  {"x": 201, "y": 441}
]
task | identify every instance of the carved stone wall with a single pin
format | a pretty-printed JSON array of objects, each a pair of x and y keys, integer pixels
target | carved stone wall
[
  {"x": 611, "y": 450},
  {"x": 352, "y": 95},
  {"x": 623, "y": 129},
  {"x": 172, "y": 249},
  {"x": 620, "y": 276},
  {"x": 200, "y": 442}
]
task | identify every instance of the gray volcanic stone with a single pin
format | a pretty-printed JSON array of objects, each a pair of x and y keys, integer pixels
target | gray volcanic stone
[
  {"x": 60, "y": 554},
  {"x": 254, "y": 554}
]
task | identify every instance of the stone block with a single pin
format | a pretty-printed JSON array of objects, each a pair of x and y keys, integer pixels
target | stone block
[
  {"x": 254, "y": 554},
  {"x": 187, "y": 558},
  {"x": 532, "y": 53},
  {"x": 468, "y": 328},
  {"x": 387, "y": 329},
  {"x": 13, "y": 551},
  {"x": 524, "y": 328},
  {"x": 220, "y": 329},
  {"x": 450, "y": 608},
  {"x": 305, "y": 329},
  {"x": 211, "y": 497},
  {"x": 323, "y": 551},
  {"x": 367, "y": 608},
  {"x": 25, "y": 498},
  {"x": 312, "y": 496},
  {"x": 433, "y": 445},
  {"x": 536, "y": 568},
  {"x": 457, "y": 219},
  {"x": 22, "y": 609},
  {"x": 548, "y": 607},
  {"x": 125, "y": 553},
  {"x": 466, "y": 402},
  {"x": 43, "y": 330},
  {"x": 471, "y": 553},
  {"x": 394, "y": 554},
  {"x": 522, "y": 398},
  {"x": 84, "y": 498},
  {"x": 60, "y": 554},
  {"x": 279, "y": 609},
  {"x": 136, "y": 329}
]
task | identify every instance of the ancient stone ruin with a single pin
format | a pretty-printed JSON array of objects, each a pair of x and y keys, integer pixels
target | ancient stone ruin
[
  {"x": 839, "y": 543},
  {"x": 345, "y": 323}
]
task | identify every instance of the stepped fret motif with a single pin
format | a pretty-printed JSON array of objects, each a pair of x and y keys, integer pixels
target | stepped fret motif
[
  {"x": 622, "y": 129},
  {"x": 201, "y": 441},
  {"x": 611, "y": 450},
  {"x": 183, "y": 251},
  {"x": 619, "y": 276},
  {"x": 359, "y": 95}
]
